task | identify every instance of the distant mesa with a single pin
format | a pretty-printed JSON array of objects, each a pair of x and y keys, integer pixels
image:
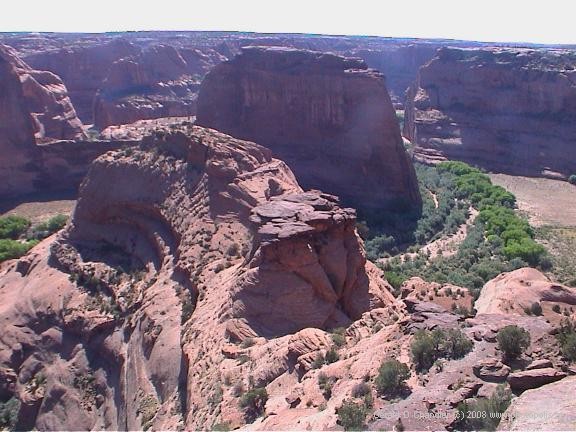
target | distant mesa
[{"x": 328, "y": 117}]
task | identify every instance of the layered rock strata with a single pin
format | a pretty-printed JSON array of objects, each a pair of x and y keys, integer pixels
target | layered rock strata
[{"x": 505, "y": 110}]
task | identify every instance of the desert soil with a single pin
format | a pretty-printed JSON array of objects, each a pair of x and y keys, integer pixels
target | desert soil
[
  {"x": 38, "y": 208},
  {"x": 545, "y": 201}
]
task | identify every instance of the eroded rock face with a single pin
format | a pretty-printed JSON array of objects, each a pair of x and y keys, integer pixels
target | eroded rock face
[
  {"x": 161, "y": 81},
  {"x": 83, "y": 67},
  {"x": 177, "y": 248},
  {"x": 507, "y": 110},
  {"x": 329, "y": 118},
  {"x": 46, "y": 99},
  {"x": 35, "y": 108},
  {"x": 17, "y": 142}
]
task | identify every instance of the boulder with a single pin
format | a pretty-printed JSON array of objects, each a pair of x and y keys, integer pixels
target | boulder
[
  {"x": 515, "y": 292},
  {"x": 491, "y": 369},
  {"x": 534, "y": 378},
  {"x": 548, "y": 408}
]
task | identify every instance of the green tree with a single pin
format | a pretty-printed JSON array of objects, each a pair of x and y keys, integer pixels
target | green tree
[
  {"x": 513, "y": 341},
  {"x": 392, "y": 375},
  {"x": 12, "y": 227},
  {"x": 351, "y": 415}
]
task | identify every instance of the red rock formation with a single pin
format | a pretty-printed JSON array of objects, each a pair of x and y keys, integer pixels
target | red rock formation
[
  {"x": 517, "y": 291},
  {"x": 551, "y": 407},
  {"x": 330, "y": 118},
  {"x": 176, "y": 247},
  {"x": 17, "y": 143},
  {"x": 507, "y": 110},
  {"x": 159, "y": 82},
  {"x": 35, "y": 108},
  {"x": 83, "y": 67},
  {"x": 46, "y": 99}
]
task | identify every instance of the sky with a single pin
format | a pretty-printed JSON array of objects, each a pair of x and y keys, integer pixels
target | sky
[{"x": 550, "y": 21}]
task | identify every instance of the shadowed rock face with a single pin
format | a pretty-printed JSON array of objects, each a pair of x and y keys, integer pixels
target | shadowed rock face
[
  {"x": 329, "y": 118},
  {"x": 507, "y": 110}
]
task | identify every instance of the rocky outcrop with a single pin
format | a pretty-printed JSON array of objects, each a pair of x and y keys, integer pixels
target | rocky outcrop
[
  {"x": 506, "y": 110},
  {"x": 534, "y": 378},
  {"x": 34, "y": 109},
  {"x": 161, "y": 81},
  {"x": 330, "y": 118},
  {"x": 177, "y": 248},
  {"x": 17, "y": 142},
  {"x": 549, "y": 408},
  {"x": 515, "y": 293}
]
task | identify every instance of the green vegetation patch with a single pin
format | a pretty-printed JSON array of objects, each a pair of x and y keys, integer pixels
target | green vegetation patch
[
  {"x": 499, "y": 241},
  {"x": 429, "y": 346}
]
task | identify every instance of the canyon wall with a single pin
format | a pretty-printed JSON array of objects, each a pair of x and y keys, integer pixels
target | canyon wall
[
  {"x": 505, "y": 110},
  {"x": 329, "y": 118},
  {"x": 34, "y": 109}
]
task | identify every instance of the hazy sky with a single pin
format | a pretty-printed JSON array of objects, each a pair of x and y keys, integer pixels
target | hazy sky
[{"x": 549, "y": 21}]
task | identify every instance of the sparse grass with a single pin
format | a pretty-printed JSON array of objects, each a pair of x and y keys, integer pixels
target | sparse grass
[{"x": 561, "y": 242}]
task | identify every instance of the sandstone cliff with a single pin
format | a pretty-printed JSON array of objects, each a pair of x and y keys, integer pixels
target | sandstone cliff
[
  {"x": 506, "y": 110},
  {"x": 329, "y": 118}
]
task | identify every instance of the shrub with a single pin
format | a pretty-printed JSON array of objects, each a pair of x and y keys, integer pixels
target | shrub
[
  {"x": 572, "y": 179},
  {"x": 484, "y": 414},
  {"x": 326, "y": 383},
  {"x": 360, "y": 390},
  {"x": 9, "y": 413},
  {"x": 12, "y": 227},
  {"x": 253, "y": 402},
  {"x": 339, "y": 337},
  {"x": 429, "y": 346},
  {"x": 10, "y": 249},
  {"x": 536, "y": 309},
  {"x": 351, "y": 415},
  {"x": 49, "y": 227},
  {"x": 556, "y": 308},
  {"x": 567, "y": 338},
  {"x": 391, "y": 378},
  {"x": 331, "y": 356},
  {"x": 513, "y": 340}
]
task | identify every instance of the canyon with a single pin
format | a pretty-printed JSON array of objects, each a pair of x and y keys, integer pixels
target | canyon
[{"x": 213, "y": 273}]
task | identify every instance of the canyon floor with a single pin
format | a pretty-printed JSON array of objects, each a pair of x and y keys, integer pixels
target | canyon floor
[{"x": 545, "y": 201}]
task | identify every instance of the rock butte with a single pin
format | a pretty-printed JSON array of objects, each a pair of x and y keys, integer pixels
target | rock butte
[
  {"x": 328, "y": 117},
  {"x": 506, "y": 110}
]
